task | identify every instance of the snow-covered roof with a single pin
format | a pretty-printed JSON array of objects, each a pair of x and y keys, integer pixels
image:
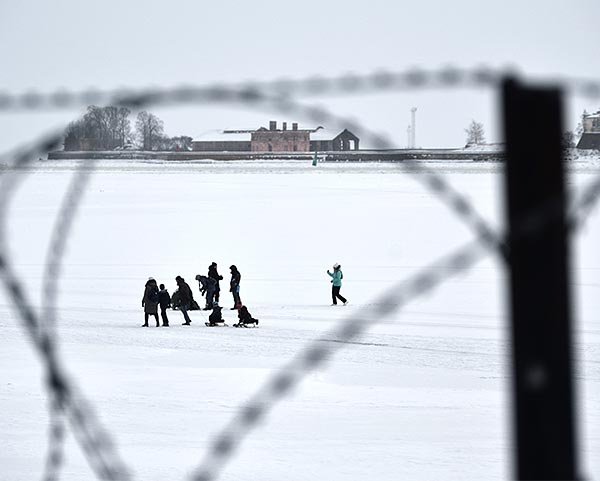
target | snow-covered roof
[
  {"x": 224, "y": 135},
  {"x": 324, "y": 134}
]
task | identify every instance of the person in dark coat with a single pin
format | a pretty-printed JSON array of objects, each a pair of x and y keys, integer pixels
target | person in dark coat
[
  {"x": 216, "y": 316},
  {"x": 208, "y": 287},
  {"x": 186, "y": 297},
  {"x": 234, "y": 287},
  {"x": 213, "y": 274},
  {"x": 164, "y": 300},
  {"x": 245, "y": 317},
  {"x": 150, "y": 301}
]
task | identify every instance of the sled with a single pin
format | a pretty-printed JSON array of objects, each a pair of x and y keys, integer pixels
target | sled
[{"x": 246, "y": 324}]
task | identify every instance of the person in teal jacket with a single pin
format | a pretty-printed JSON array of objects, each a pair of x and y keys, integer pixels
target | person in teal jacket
[{"x": 336, "y": 281}]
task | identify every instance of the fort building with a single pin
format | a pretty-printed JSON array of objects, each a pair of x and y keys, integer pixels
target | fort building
[{"x": 275, "y": 139}]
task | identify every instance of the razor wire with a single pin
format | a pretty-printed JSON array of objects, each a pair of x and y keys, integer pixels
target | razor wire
[
  {"x": 53, "y": 264},
  {"x": 100, "y": 454},
  {"x": 64, "y": 400},
  {"x": 381, "y": 80},
  {"x": 56, "y": 439},
  {"x": 95, "y": 441},
  {"x": 421, "y": 283}
]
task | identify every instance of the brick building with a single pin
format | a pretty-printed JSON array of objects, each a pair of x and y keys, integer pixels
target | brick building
[
  {"x": 281, "y": 140},
  {"x": 275, "y": 140}
]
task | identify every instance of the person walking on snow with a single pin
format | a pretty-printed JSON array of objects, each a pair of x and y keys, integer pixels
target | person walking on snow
[
  {"x": 214, "y": 274},
  {"x": 164, "y": 300},
  {"x": 336, "y": 280},
  {"x": 150, "y": 301},
  {"x": 234, "y": 287},
  {"x": 186, "y": 297}
]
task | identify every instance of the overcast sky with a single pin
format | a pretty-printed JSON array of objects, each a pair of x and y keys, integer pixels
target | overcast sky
[{"x": 77, "y": 44}]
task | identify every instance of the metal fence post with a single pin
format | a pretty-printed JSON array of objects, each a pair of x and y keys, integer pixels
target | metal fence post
[{"x": 538, "y": 257}]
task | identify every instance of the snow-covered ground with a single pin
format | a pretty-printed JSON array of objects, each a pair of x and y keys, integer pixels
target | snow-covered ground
[{"x": 424, "y": 395}]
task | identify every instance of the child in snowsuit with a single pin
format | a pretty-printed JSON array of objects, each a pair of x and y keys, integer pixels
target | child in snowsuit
[
  {"x": 245, "y": 317},
  {"x": 216, "y": 316},
  {"x": 150, "y": 301},
  {"x": 164, "y": 300},
  {"x": 336, "y": 280},
  {"x": 208, "y": 286}
]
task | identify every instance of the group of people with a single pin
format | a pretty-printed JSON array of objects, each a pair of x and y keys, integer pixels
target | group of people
[
  {"x": 211, "y": 288},
  {"x": 157, "y": 296}
]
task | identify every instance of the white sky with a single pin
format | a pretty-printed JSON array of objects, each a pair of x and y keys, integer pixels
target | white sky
[{"x": 76, "y": 44}]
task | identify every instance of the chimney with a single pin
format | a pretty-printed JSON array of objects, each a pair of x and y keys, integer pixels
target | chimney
[
  {"x": 284, "y": 126},
  {"x": 294, "y": 126},
  {"x": 273, "y": 125}
]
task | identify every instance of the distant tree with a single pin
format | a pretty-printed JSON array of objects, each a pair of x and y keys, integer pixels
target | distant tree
[
  {"x": 101, "y": 128},
  {"x": 180, "y": 143},
  {"x": 149, "y": 130},
  {"x": 475, "y": 133},
  {"x": 75, "y": 135},
  {"x": 119, "y": 126},
  {"x": 98, "y": 122}
]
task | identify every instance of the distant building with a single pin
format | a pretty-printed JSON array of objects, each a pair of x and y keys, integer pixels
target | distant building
[
  {"x": 223, "y": 141},
  {"x": 590, "y": 139},
  {"x": 275, "y": 140},
  {"x": 284, "y": 140},
  {"x": 322, "y": 140}
]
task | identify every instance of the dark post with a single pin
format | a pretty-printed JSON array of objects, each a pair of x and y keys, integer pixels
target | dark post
[{"x": 538, "y": 258}]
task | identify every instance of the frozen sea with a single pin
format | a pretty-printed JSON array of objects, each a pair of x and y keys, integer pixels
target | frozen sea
[{"x": 423, "y": 395}]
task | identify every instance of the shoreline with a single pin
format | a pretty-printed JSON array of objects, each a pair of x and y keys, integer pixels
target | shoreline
[{"x": 399, "y": 155}]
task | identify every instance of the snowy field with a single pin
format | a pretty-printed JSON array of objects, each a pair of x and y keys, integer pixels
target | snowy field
[{"x": 424, "y": 395}]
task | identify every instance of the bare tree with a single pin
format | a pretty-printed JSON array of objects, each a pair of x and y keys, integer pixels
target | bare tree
[
  {"x": 101, "y": 128},
  {"x": 75, "y": 135},
  {"x": 180, "y": 143},
  {"x": 475, "y": 133},
  {"x": 149, "y": 130},
  {"x": 118, "y": 127},
  {"x": 123, "y": 127}
]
